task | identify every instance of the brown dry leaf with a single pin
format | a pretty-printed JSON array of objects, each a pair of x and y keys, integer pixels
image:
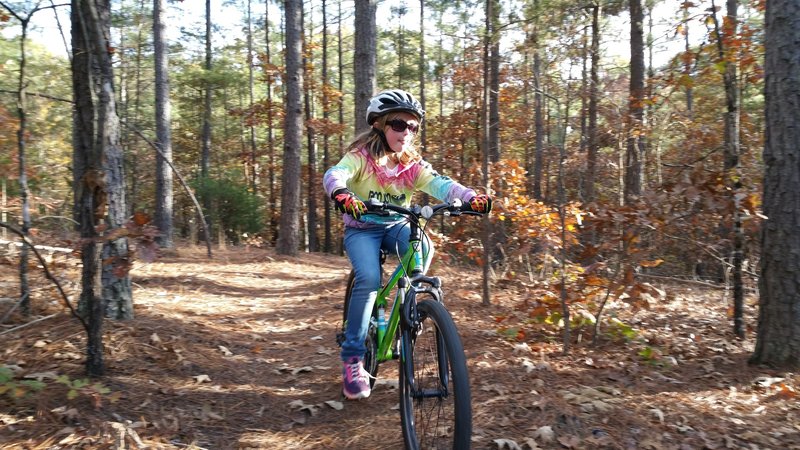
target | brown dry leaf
[
  {"x": 154, "y": 339},
  {"x": 69, "y": 413},
  {"x": 71, "y": 439},
  {"x": 532, "y": 444},
  {"x": 545, "y": 434},
  {"x": 507, "y": 443},
  {"x": 225, "y": 350},
  {"x": 207, "y": 413},
  {"x": 569, "y": 441},
  {"x": 786, "y": 392},
  {"x": 658, "y": 414},
  {"x": 335, "y": 405},
  {"x": 300, "y": 405},
  {"x": 302, "y": 369},
  {"x": 202, "y": 379},
  {"x": 39, "y": 376}
]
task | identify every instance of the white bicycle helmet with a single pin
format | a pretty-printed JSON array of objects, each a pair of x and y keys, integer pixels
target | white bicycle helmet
[{"x": 393, "y": 100}]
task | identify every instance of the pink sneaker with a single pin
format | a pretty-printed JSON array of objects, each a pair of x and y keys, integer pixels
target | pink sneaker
[{"x": 355, "y": 379}]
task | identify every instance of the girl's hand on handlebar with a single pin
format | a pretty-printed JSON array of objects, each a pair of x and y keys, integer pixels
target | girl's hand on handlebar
[
  {"x": 348, "y": 203},
  {"x": 481, "y": 203}
]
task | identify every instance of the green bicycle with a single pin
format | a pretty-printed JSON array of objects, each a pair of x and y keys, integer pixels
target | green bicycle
[{"x": 435, "y": 403}]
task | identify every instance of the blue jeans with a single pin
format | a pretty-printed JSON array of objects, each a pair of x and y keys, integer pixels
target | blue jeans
[{"x": 363, "y": 247}]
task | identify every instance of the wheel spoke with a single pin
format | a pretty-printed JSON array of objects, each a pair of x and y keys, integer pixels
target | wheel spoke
[{"x": 436, "y": 408}]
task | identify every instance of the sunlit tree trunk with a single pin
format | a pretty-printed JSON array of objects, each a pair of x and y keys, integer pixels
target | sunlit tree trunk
[
  {"x": 272, "y": 194},
  {"x": 326, "y": 115},
  {"x": 727, "y": 56},
  {"x": 687, "y": 60},
  {"x": 164, "y": 188},
  {"x": 365, "y": 58},
  {"x": 340, "y": 85},
  {"x": 22, "y": 116},
  {"x": 311, "y": 140},
  {"x": 251, "y": 128},
  {"x": 100, "y": 191},
  {"x": 494, "y": 84},
  {"x": 289, "y": 232},
  {"x": 422, "y": 68},
  {"x": 486, "y": 232},
  {"x": 205, "y": 138}
]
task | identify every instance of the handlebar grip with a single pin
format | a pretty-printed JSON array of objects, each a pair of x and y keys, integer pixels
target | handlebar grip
[
  {"x": 466, "y": 208},
  {"x": 376, "y": 207}
]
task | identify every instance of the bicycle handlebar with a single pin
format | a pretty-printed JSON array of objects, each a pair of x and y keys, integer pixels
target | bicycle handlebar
[{"x": 453, "y": 208}]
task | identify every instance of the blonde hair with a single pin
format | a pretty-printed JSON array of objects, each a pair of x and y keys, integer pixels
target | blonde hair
[{"x": 375, "y": 146}]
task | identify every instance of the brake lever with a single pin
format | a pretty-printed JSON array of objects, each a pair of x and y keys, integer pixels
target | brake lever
[{"x": 375, "y": 207}]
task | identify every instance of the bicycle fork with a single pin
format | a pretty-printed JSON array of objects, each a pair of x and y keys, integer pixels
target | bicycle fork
[{"x": 412, "y": 326}]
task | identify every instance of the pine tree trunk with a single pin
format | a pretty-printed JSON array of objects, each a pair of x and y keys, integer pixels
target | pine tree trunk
[
  {"x": 25, "y": 300},
  {"x": 205, "y": 156},
  {"x": 90, "y": 190},
  {"x": 486, "y": 232},
  {"x": 538, "y": 116},
  {"x": 778, "y": 340},
  {"x": 289, "y": 233},
  {"x": 272, "y": 195},
  {"x": 311, "y": 140},
  {"x": 253, "y": 162},
  {"x": 494, "y": 83},
  {"x": 633, "y": 163},
  {"x": 326, "y": 115},
  {"x": 365, "y": 58},
  {"x": 164, "y": 187},
  {"x": 592, "y": 111},
  {"x": 423, "y": 64}
]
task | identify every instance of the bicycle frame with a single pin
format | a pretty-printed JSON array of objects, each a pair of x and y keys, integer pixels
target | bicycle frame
[{"x": 410, "y": 263}]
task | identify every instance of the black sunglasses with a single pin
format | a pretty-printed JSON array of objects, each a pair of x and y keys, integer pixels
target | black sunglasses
[{"x": 401, "y": 125}]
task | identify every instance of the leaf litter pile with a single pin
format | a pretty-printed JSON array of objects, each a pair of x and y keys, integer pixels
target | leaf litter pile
[{"x": 239, "y": 352}]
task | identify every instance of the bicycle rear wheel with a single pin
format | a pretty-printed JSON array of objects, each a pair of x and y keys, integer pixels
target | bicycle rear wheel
[
  {"x": 435, "y": 405},
  {"x": 371, "y": 341}
]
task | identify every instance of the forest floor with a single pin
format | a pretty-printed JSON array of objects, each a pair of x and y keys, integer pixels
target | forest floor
[{"x": 238, "y": 352}]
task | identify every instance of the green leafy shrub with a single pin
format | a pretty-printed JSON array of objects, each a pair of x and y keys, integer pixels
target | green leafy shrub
[
  {"x": 233, "y": 207},
  {"x": 17, "y": 389}
]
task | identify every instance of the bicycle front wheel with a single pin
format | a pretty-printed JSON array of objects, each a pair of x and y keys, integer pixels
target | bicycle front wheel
[{"x": 435, "y": 404}]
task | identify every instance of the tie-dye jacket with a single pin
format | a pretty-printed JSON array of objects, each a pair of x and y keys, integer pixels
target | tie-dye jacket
[{"x": 359, "y": 172}]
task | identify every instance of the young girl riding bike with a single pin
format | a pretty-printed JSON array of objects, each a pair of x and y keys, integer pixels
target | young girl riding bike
[{"x": 382, "y": 163}]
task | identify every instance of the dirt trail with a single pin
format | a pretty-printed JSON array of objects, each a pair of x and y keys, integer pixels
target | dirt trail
[{"x": 239, "y": 352}]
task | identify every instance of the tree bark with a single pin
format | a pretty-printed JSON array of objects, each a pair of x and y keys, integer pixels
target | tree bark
[
  {"x": 494, "y": 84},
  {"x": 486, "y": 232},
  {"x": 272, "y": 188},
  {"x": 289, "y": 233},
  {"x": 327, "y": 245},
  {"x": 90, "y": 190},
  {"x": 24, "y": 288},
  {"x": 365, "y": 58},
  {"x": 538, "y": 116},
  {"x": 205, "y": 156},
  {"x": 636, "y": 136},
  {"x": 311, "y": 147},
  {"x": 164, "y": 188},
  {"x": 251, "y": 128},
  {"x": 594, "y": 94},
  {"x": 423, "y": 135},
  {"x": 778, "y": 339}
]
